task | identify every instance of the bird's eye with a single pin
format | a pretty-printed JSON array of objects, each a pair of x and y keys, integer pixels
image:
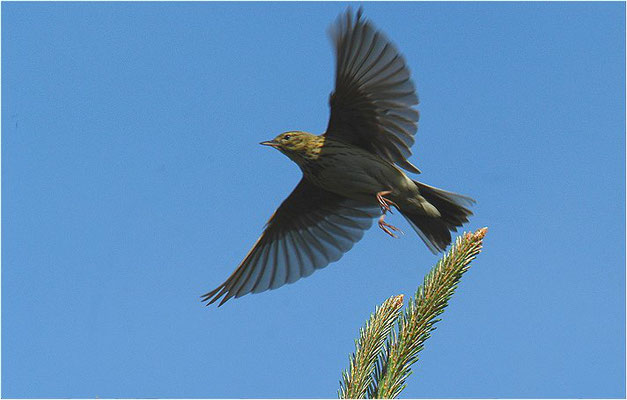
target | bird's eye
[{"x": 287, "y": 137}]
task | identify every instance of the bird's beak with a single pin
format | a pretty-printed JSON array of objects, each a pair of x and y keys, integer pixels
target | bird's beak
[{"x": 270, "y": 143}]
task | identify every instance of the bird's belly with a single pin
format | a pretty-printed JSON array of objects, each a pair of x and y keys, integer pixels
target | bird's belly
[
  {"x": 350, "y": 181},
  {"x": 362, "y": 179}
]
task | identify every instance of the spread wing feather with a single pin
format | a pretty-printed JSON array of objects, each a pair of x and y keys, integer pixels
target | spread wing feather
[
  {"x": 371, "y": 105},
  {"x": 309, "y": 230}
]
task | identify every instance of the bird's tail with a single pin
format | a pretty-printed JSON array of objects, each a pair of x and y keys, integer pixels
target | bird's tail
[{"x": 435, "y": 230}]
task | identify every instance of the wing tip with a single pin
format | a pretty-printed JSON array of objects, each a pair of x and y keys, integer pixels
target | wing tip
[
  {"x": 213, "y": 296},
  {"x": 405, "y": 164}
]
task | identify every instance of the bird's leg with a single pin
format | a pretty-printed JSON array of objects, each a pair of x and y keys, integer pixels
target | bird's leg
[
  {"x": 385, "y": 207},
  {"x": 385, "y": 203}
]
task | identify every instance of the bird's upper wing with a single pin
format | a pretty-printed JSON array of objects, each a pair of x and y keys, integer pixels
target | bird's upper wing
[
  {"x": 373, "y": 96},
  {"x": 309, "y": 230}
]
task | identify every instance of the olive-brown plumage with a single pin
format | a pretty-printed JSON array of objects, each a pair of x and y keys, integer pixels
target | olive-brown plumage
[{"x": 351, "y": 173}]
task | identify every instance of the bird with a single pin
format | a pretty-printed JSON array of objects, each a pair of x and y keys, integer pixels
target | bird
[{"x": 352, "y": 173}]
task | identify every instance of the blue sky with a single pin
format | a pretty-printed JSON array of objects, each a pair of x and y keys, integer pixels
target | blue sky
[{"x": 132, "y": 182}]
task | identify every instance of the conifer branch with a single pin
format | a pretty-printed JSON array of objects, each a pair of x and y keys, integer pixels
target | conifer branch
[
  {"x": 419, "y": 318},
  {"x": 372, "y": 336},
  {"x": 386, "y": 377}
]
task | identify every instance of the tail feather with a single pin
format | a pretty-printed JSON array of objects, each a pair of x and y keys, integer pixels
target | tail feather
[{"x": 436, "y": 231}]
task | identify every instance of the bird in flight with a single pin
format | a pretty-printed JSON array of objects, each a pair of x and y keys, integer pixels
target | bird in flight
[{"x": 351, "y": 173}]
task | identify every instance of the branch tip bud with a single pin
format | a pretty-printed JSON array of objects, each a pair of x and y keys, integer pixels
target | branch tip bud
[{"x": 480, "y": 233}]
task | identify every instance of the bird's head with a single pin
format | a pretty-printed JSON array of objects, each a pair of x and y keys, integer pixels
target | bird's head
[{"x": 296, "y": 144}]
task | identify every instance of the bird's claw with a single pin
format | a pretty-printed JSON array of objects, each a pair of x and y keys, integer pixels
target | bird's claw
[
  {"x": 385, "y": 203},
  {"x": 387, "y": 228}
]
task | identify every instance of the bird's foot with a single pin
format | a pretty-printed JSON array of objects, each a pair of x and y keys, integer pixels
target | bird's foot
[
  {"x": 385, "y": 203},
  {"x": 387, "y": 228}
]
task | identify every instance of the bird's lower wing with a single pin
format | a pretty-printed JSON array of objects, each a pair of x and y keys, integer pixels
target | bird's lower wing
[{"x": 309, "y": 230}]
